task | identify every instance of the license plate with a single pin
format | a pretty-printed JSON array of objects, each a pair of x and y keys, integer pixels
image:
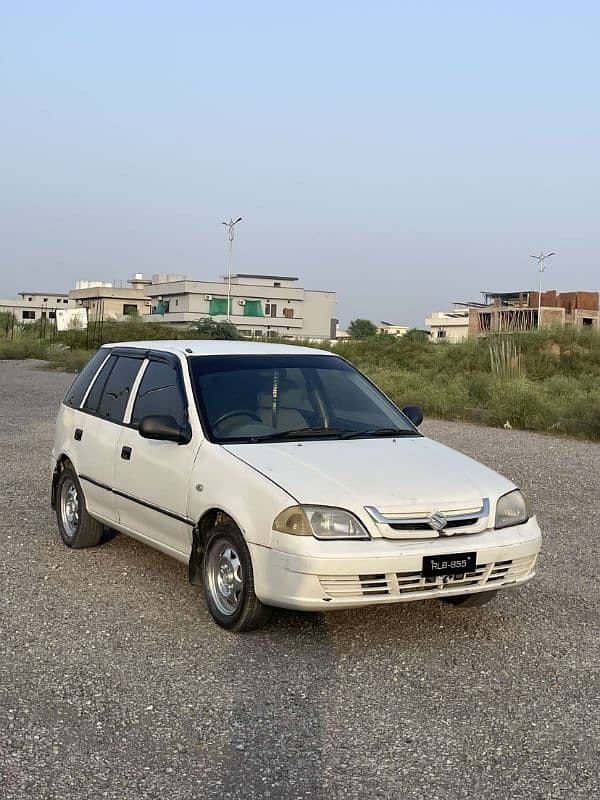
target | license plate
[{"x": 453, "y": 564}]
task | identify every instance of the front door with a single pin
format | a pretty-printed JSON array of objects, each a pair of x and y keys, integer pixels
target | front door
[{"x": 152, "y": 477}]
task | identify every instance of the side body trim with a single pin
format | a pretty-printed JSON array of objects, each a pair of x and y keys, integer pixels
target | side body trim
[{"x": 137, "y": 500}]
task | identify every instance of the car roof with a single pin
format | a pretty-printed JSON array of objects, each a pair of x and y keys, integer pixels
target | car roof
[{"x": 211, "y": 347}]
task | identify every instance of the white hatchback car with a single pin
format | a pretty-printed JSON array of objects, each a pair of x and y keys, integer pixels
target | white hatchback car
[{"x": 283, "y": 477}]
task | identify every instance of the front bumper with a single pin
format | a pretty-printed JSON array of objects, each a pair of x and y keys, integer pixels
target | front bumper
[{"x": 304, "y": 573}]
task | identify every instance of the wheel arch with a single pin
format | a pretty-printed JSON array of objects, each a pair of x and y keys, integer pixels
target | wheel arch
[
  {"x": 61, "y": 462},
  {"x": 209, "y": 519}
]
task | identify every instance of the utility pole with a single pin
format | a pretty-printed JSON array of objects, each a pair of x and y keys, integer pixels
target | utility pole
[
  {"x": 541, "y": 265},
  {"x": 231, "y": 233}
]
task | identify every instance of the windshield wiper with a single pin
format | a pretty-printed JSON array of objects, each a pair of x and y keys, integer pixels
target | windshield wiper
[
  {"x": 380, "y": 432},
  {"x": 301, "y": 433}
]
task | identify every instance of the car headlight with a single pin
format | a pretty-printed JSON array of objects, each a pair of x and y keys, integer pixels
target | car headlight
[
  {"x": 512, "y": 509},
  {"x": 321, "y": 522}
]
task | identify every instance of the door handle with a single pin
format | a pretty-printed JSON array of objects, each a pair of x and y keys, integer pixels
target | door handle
[
  {"x": 126, "y": 453},
  {"x": 78, "y": 434}
]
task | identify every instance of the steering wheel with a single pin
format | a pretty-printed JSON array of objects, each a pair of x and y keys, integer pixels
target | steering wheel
[{"x": 237, "y": 412}]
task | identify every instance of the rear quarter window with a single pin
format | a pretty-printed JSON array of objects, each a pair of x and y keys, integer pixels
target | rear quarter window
[{"x": 78, "y": 388}]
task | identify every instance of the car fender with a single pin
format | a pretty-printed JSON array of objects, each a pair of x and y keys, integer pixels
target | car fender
[{"x": 221, "y": 481}]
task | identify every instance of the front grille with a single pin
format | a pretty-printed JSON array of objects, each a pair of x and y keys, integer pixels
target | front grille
[
  {"x": 404, "y": 583},
  {"x": 424, "y": 526},
  {"x": 431, "y": 524}
]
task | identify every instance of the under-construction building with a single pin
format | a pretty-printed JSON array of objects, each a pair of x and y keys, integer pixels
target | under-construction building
[{"x": 506, "y": 312}]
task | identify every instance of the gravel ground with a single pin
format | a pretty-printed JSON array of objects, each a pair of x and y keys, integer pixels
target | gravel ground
[{"x": 115, "y": 683}]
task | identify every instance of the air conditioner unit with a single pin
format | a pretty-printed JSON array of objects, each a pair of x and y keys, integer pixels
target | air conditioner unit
[
  {"x": 242, "y": 302},
  {"x": 208, "y": 297}
]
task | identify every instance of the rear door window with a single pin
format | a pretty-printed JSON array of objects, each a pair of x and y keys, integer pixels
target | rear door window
[
  {"x": 95, "y": 393},
  {"x": 160, "y": 394},
  {"x": 79, "y": 386},
  {"x": 115, "y": 391}
]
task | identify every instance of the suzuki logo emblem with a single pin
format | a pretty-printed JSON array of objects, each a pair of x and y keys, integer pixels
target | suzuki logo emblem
[{"x": 437, "y": 521}]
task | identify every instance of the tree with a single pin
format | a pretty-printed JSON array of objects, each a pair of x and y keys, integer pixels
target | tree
[
  {"x": 210, "y": 329},
  {"x": 417, "y": 335},
  {"x": 362, "y": 329}
]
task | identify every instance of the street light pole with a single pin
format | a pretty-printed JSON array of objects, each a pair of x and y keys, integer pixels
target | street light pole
[
  {"x": 541, "y": 264},
  {"x": 231, "y": 233}
]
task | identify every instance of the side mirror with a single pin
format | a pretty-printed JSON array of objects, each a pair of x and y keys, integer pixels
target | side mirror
[
  {"x": 165, "y": 428},
  {"x": 414, "y": 413}
]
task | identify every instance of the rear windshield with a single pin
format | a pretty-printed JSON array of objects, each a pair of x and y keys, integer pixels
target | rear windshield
[{"x": 264, "y": 398}]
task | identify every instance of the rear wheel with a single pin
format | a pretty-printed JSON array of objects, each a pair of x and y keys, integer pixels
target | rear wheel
[
  {"x": 228, "y": 582},
  {"x": 471, "y": 600},
  {"x": 77, "y": 529}
]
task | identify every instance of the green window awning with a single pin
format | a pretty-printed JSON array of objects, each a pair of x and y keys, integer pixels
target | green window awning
[
  {"x": 162, "y": 307},
  {"x": 218, "y": 305},
  {"x": 253, "y": 308}
]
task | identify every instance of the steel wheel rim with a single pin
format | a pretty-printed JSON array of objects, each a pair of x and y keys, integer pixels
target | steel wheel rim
[
  {"x": 69, "y": 507},
  {"x": 225, "y": 578}
]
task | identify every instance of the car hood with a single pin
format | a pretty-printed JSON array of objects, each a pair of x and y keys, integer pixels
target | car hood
[{"x": 409, "y": 473}]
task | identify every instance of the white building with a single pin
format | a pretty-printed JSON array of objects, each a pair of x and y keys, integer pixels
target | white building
[
  {"x": 449, "y": 326},
  {"x": 392, "y": 329},
  {"x": 32, "y": 306},
  {"x": 261, "y": 305}
]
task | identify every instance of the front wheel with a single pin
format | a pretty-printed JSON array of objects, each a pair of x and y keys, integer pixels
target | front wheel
[
  {"x": 228, "y": 582},
  {"x": 471, "y": 600}
]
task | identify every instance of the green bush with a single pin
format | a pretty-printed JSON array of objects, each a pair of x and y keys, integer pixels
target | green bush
[
  {"x": 22, "y": 348},
  {"x": 211, "y": 329}
]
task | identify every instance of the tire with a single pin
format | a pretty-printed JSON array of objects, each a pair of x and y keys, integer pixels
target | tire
[
  {"x": 471, "y": 600},
  {"x": 77, "y": 529},
  {"x": 228, "y": 582}
]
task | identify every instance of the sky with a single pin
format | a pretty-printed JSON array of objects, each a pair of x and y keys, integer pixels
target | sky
[{"x": 405, "y": 155}]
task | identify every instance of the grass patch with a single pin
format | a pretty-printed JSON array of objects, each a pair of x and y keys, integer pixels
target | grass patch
[{"x": 546, "y": 380}]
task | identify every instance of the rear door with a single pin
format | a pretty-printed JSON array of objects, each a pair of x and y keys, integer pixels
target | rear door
[
  {"x": 101, "y": 418},
  {"x": 152, "y": 477}
]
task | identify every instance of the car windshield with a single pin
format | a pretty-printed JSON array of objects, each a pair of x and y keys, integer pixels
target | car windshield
[{"x": 258, "y": 398}]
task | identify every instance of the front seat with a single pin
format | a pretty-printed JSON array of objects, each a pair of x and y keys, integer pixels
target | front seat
[{"x": 283, "y": 415}]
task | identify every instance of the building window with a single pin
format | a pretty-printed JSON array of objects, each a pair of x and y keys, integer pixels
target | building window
[
  {"x": 28, "y": 314},
  {"x": 130, "y": 310},
  {"x": 30, "y": 299},
  {"x": 258, "y": 332},
  {"x": 288, "y": 313},
  {"x": 52, "y": 315},
  {"x": 276, "y": 283},
  {"x": 485, "y": 321},
  {"x": 245, "y": 333},
  {"x": 271, "y": 310},
  {"x": 587, "y": 321},
  {"x": 45, "y": 299},
  {"x": 441, "y": 334}
]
